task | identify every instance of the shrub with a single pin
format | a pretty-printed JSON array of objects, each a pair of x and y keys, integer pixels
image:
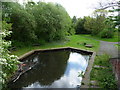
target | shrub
[
  {"x": 79, "y": 27},
  {"x": 106, "y": 33},
  {"x": 7, "y": 61},
  {"x": 108, "y": 82},
  {"x": 103, "y": 75}
]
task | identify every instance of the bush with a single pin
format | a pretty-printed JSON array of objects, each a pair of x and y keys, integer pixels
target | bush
[
  {"x": 7, "y": 61},
  {"x": 53, "y": 22},
  {"x": 21, "y": 44},
  {"x": 108, "y": 82},
  {"x": 106, "y": 33},
  {"x": 79, "y": 27},
  {"x": 104, "y": 74}
]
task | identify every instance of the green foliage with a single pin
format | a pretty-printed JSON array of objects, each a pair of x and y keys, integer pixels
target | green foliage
[
  {"x": 108, "y": 82},
  {"x": 38, "y": 21},
  {"x": 23, "y": 25},
  {"x": 53, "y": 22},
  {"x": 79, "y": 27},
  {"x": 100, "y": 25},
  {"x": 7, "y": 61},
  {"x": 95, "y": 25},
  {"x": 106, "y": 33},
  {"x": 74, "y": 20},
  {"x": 103, "y": 75},
  {"x": 102, "y": 60},
  {"x": 115, "y": 18},
  {"x": 89, "y": 24},
  {"x": 114, "y": 39}
]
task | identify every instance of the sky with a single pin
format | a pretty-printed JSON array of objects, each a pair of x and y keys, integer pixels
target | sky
[{"x": 78, "y": 8}]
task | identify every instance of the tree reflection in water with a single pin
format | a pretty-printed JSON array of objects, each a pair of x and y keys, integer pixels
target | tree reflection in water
[{"x": 55, "y": 69}]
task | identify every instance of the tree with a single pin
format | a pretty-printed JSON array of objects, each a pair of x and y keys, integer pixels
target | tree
[
  {"x": 89, "y": 24},
  {"x": 99, "y": 24},
  {"x": 38, "y": 22},
  {"x": 53, "y": 22},
  {"x": 24, "y": 26},
  {"x": 74, "y": 20},
  {"x": 113, "y": 6},
  {"x": 79, "y": 27},
  {"x": 23, "y": 23}
]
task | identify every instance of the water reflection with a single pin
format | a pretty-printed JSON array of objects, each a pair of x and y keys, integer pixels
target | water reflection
[{"x": 56, "y": 69}]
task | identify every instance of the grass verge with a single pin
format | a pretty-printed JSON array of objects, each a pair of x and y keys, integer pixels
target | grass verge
[
  {"x": 114, "y": 39},
  {"x": 72, "y": 41},
  {"x": 102, "y": 73}
]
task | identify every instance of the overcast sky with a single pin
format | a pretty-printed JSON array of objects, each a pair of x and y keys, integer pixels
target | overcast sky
[{"x": 78, "y": 8}]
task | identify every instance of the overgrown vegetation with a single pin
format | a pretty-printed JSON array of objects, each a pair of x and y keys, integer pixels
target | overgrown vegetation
[
  {"x": 102, "y": 73},
  {"x": 98, "y": 25},
  {"x": 37, "y": 22},
  {"x": 115, "y": 38},
  {"x": 8, "y": 62},
  {"x": 48, "y": 25},
  {"x": 79, "y": 27}
]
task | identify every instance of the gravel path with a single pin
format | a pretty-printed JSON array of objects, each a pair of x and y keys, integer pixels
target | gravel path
[{"x": 108, "y": 48}]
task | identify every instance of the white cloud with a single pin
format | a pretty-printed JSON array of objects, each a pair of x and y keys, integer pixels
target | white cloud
[{"x": 79, "y": 8}]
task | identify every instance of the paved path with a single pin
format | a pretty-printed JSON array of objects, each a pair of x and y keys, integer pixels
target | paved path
[{"x": 108, "y": 48}]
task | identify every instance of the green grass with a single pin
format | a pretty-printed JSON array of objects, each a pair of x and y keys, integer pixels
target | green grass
[
  {"x": 104, "y": 76},
  {"x": 102, "y": 60},
  {"x": 72, "y": 42},
  {"x": 114, "y": 39}
]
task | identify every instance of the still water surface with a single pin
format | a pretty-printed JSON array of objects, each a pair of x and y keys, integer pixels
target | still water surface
[{"x": 54, "y": 69}]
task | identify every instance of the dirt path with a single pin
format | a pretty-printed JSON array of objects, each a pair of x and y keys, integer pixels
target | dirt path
[{"x": 108, "y": 48}]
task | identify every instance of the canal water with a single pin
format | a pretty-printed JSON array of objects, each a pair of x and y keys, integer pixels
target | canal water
[{"x": 54, "y": 69}]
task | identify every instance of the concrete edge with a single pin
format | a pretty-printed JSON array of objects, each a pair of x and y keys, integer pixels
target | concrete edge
[
  {"x": 25, "y": 55},
  {"x": 86, "y": 80},
  {"x": 59, "y": 48}
]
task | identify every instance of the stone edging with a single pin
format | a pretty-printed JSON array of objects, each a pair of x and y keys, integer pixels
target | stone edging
[
  {"x": 86, "y": 79},
  {"x": 37, "y": 50}
]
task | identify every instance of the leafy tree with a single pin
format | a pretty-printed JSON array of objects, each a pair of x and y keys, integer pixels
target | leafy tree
[
  {"x": 113, "y": 6},
  {"x": 79, "y": 27},
  {"x": 108, "y": 31},
  {"x": 74, "y": 20},
  {"x": 53, "y": 22},
  {"x": 38, "y": 22},
  {"x": 24, "y": 26},
  {"x": 23, "y": 23},
  {"x": 98, "y": 23},
  {"x": 89, "y": 24}
]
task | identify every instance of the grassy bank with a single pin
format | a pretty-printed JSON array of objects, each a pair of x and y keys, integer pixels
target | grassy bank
[
  {"x": 102, "y": 74},
  {"x": 76, "y": 41},
  {"x": 114, "y": 39}
]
